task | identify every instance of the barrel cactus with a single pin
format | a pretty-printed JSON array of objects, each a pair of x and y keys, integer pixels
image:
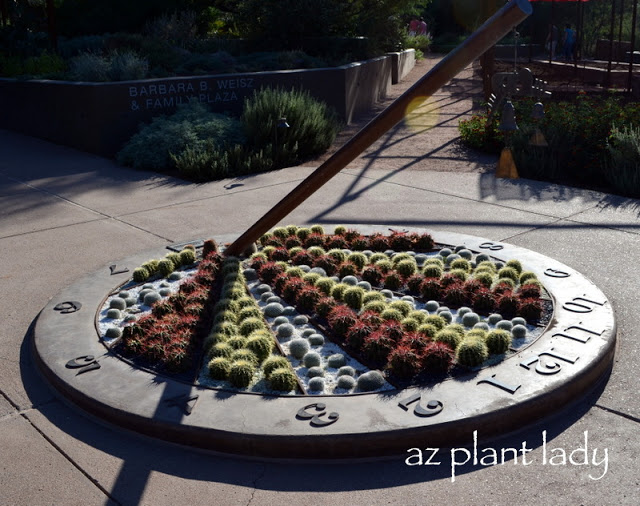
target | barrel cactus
[
  {"x": 272, "y": 363},
  {"x": 299, "y": 347},
  {"x": 241, "y": 373},
  {"x": 472, "y": 352},
  {"x": 498, "y": 341},
  {"x": 219, "y": 368}
]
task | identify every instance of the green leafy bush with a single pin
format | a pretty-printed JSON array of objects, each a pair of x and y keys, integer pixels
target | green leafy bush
[
  {"x": 118, "y": 66},
  {"x": 312, "y": 125}
]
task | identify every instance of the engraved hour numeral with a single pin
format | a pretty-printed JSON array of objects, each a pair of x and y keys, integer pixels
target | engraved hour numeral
[
  {"x": 316, "y": 419},
  {"x": 85, "y": 363},
  {"x": 432, "y": 408}
]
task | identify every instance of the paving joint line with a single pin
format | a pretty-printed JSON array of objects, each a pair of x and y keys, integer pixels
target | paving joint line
[
  {"x": 618, "y": 413},
  {"x": 207, "y": 198},
  {"x": 453, "y": 195},
  {"x": 23, "y": 415}
]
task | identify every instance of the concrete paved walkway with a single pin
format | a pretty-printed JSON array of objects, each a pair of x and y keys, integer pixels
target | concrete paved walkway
[{"x": 64, "y": 213}]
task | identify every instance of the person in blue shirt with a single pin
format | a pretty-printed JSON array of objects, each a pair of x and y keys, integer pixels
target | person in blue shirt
[{"x": 569, "y": 42}]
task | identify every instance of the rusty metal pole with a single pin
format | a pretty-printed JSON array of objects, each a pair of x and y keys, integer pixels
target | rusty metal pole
[{"x": 485, "y": 37}]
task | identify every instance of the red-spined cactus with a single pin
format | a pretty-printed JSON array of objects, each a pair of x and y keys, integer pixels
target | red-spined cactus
[
  {"x": 422, "y": 242},
  {"x": 280, "y": 255},
  {"x": 291, "y": 288},
  {"x": 508, "y": 305},
  {"x": 472, "y": 286},
  {"x": 324, "y": 306},
  {"x": 502, "y": 288},
  {"x": 269, "y": 271},
  {"x": 358, "y": 333},
  {"x": 326, "y": 262},
  {"x": 341, "y": 318},
  {"x": 530, "y": 309},
  {"x": 413, "y": 283},
  {"x": 378, "y": 242},
  {"x": 302, "y": 258},
  {"x": 400, "y": 241},
  {"x": 393, "y": 329},
  {"x": 314, "y": 239},
  {"x": 307, "y": 298},
  {"x": 347, "y": 269},
  {"x": 371, "y": 317},
  {"x": 336, "y": 241},
  {"x": 430, "y": 289},
  {"x": 437, "y": 358},
  {"x": 529, "y": 291},
  {"x": 292, "y": 242},
  {"x": 404, "y": 362},
  {"x": 393, "y": 281},
  {"x": 455, "y": 295},
  {"x": 484, "y": 301},
  {"x": 377, "y": 346},
  {"x": 372, "y": 275},
  {"x": 415, "y": 341},
  {"x": 359, "y": 243}
]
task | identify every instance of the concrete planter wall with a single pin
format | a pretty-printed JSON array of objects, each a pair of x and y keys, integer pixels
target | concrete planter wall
[{"x": 100, "y": 117}]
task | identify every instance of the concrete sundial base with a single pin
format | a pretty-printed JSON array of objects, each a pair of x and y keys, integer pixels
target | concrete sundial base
[{"x": 572, "y": 354}]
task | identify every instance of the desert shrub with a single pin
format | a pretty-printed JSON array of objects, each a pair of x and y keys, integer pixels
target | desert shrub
[
  {"x": 191, "y": 127},
  {"x": 89, "y": 67},
  {"x": 313, "y": 125},
  {"x": 623, "y": 167}
]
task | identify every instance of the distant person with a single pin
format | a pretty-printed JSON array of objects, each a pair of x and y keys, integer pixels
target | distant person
[
  {"x": 414, "y": 26},
  {"x": 422, "y": 27},
  {"x": 552, "y": 41},
  {"x": 569, "y": 42}
]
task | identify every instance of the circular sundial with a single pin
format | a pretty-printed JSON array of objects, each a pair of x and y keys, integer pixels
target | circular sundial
[{"x": 546, "y": 349}]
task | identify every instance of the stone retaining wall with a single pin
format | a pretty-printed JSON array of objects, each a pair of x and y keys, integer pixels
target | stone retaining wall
[{"x": 100, "y": 117}]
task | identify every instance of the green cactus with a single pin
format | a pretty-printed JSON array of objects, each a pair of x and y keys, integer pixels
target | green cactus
[
  {"x": 403, "y": 306},
  {"x": 272, "y": 363},
  {"x": 358, "y": 259},
  {"x": 353, "y": 297},
  {"x": 113, "y": 333},
  {"x": 461, "y": 263},
  {"x": 498, "y": 341},
  {"x": 245, "y": 354},
  {"x": 390, "y": 314},
  {"x": 376, "y": 257},
  {"x": 436, "y": 320},
  {"x": 187, "y": 256},
  {"x": 317, "y": 229},
  {"x": 346, "y": 370},
  {"x": 485, "y": 264},
  {"x": 250, "y": 325},
  {"x": 450, "y": 337},
  {"x": 222, "y": 349},
  {"x": 371, "y": 296},
  {"x": 472, "y": 352},
  {"x": 249, "y": 312},
  {"x": 377, "y": 306},
  {"x": 527, "y": 276},
  {"x": 407, "y": 267},
  {"x": 114, "y": 314},
  {"x": 237, "y": 342},
  {"x": 484, "y": 277},
  {"x": 514, "y": 264},
  {"x": 241, "y": 373},
  {"x": 325, "y": 285},
  {"x": 141, "y": 274},
  {"x": 509, "y": 273},
  {"x": 338, "y": 290},
  {"x": 165, "y": 267},
  {"x": 302, "y": 233},
  {"x": 261, "y": 345},
  {"x": 283, "y": 379},
  {"x": 219, "y": 368}
]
